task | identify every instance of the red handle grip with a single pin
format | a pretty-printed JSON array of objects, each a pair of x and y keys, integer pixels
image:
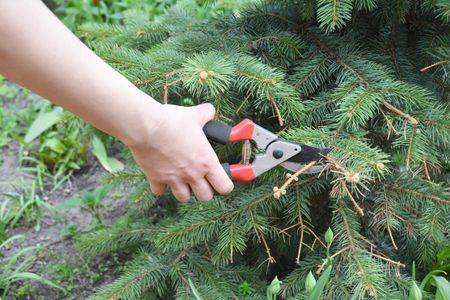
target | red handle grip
[
  {"x": 242, "y": 131},
  {"x": 242, "y": 173}
]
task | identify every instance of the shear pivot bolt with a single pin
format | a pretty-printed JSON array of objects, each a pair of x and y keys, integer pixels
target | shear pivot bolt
[{"x": 278, "y": 153}]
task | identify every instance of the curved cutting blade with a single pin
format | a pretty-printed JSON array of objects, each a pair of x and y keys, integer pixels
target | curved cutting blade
[{"x": 306, "y": 155}]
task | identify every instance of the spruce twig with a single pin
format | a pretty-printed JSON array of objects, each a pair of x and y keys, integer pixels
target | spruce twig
[
  {"x": 277, "y": 110},
  {"x": 277, "y": 192},
  {"x": 419, "y": 194},
  {"x": 434, "y": 65},
  {"x": 359, "y": 210},
  {"x": 320, "y": 268},
  {"x": 425, "y": 168},
  {"x": 411, "y": 119},
  {"x": 410, "y": 145},
  {"x": 386, "y": 259},
  {"x": 143, "y": 82}
]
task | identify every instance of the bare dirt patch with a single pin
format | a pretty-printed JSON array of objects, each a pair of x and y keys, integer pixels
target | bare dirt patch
[{"x": 59, "y": 260}]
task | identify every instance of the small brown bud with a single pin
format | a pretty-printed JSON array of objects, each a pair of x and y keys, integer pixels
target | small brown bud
[
  {"x": 380, "y": 165},
  {"x": 354, "y": 178}
]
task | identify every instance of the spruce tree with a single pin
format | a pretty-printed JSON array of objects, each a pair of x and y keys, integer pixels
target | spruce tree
[{"x": 367, "y": 78}]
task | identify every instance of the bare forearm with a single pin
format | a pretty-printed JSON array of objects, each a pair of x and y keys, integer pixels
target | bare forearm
[
  {"x": 40, "y": 53},
  {"x": 168, "y": 142}
]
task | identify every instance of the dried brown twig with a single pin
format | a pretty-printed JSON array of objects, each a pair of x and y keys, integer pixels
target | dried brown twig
[{"x": 277, "y": 192}]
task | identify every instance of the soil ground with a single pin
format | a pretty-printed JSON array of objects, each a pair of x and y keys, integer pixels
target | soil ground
[{"x": 59, "y": 261}]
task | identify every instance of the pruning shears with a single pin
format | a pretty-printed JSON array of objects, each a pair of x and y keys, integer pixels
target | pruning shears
[{"x": 276, "y": 151}]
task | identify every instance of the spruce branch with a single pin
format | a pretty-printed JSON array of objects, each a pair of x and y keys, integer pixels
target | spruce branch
[
  {"x": 359, "y": 77},
  {"x": 257, "y": 63},
  {"x": 436, "y": 124},
  {"x": 384, "y": 216},
  {"x": 270, "y": 259},
  {"x": 354, "y": 249},
  {"x": 411, "y": 192}
]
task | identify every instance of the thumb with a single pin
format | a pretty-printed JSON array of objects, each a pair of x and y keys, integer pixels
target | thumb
[{"x": 204, "y": 112}]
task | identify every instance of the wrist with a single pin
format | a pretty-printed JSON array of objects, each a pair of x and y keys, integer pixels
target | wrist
[{"x": 147, "y": 119}]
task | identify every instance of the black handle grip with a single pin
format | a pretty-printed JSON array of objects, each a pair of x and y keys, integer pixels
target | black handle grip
[
  {"x": 217, "y": 132},
  {"x": 226, "y": 167}
]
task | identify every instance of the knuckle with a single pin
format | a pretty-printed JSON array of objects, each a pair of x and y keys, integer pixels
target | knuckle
[
  {"x": 172, "y": 181},
  {"x": 204, "y": 163},
  {"x": 191, "y": 174}
]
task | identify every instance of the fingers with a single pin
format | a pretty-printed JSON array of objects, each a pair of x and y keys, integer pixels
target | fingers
[
  {"x": 219, "y": 180},
  {"x": 181, "y": 191},
  {"x": 202, "y": 190},
  {"x": 157, "y": 187},
  {"x": 205, "y": 112}
]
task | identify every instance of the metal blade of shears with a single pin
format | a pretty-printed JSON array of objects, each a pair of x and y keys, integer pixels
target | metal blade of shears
[
  {"x": 309, "y": 153},
  {"x": 306, "y": 155},
  {"x": 294, "y": 167}
]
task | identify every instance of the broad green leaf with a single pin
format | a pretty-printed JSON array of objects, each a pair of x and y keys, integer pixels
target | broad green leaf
[
  {"x": 10, "y": 240},
  {"x": 443, "y": 288},
  {"x": 55, "y": 145},
  {"x": 43, "y": 122},
  {"x": 115, "y": 165},
  {"x": 426, "y": 281},
  {"x": 320, "y": 285},
  {"x": 110, "y": 164},
  {"x": 414, "y": 292},
  {"x": 443, "y": 255},
  {"x": 32, "y": 276},
  {"x": 310, "y": 282}
]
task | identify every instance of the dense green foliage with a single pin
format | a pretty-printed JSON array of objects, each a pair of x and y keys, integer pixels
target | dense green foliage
[
  {"x": 75, "y": 12},
  {"x": 368, "y": 78}
]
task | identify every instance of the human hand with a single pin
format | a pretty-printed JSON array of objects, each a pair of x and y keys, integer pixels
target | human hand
[{"x": 177, "y": 153}]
